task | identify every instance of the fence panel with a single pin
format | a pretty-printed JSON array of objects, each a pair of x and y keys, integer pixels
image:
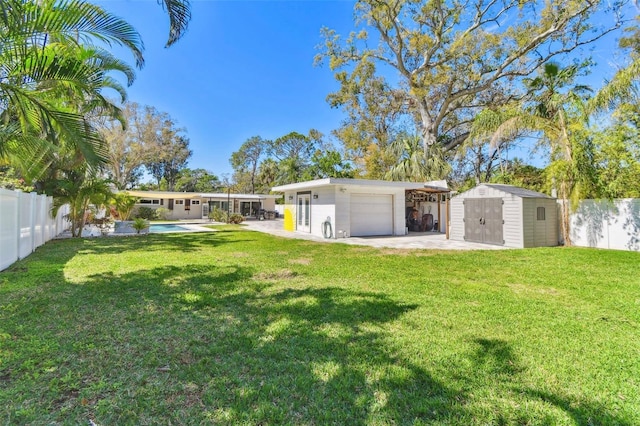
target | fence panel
[
  {"x": 26, "y": 224},
  {"x": 41, "y": 217},
  {"x": 607, "y": 224},
  {"x": 26, "y": 219},
  {"x": 9, "y": 235}
]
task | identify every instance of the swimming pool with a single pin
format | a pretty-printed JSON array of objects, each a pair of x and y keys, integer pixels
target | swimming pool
[{"x": 159, "y": 228}]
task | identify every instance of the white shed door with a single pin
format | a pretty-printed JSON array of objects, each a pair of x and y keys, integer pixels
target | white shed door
[{"x": 371, "y": 214}]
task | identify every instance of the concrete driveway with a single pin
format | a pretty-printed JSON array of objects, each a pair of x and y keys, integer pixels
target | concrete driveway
[{"x": 426, "y": 240}]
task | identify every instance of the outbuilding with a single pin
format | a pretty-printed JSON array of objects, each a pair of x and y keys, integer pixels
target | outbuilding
[
  {"x": 342, "y": 208},
  {"x": 504, "y": 215}
]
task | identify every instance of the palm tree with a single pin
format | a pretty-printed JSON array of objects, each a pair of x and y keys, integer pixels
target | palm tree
[
  {"x": 51, "y": 76},
  {"x": 80, "y": 188},
  {"x": 622, "y": 85},
  {"x": 556, "y": 110},
  {"x": 413, "y": 163},
  {"x": 267, "y": 175}
]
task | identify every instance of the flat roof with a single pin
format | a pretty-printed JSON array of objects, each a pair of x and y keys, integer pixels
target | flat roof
[
  {"x": 347, "y": 182},
  {"x": 232, "y": 195},
  {"x": 190, "y": 195}
]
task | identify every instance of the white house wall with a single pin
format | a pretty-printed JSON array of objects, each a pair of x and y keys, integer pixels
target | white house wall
[
  {"x": 196, "y": 210},
  {"x": 269, "y": 204},
  {"x": 178, "y": 211},
  {"x": 323, "y": 209},
  {"x": 343, "y": 212},
  {"x": 334, "y": 202}
]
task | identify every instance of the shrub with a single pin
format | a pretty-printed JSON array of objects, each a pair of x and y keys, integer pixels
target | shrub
[
  {"x": 162, "y": 213},
  {"x": 236, "y": 218},
  {"x": 145, "y": 213},
  {"x": 139, "y": 224},
  {"x": 123, "y": 204},
  {"x": 218, "y": 215}
]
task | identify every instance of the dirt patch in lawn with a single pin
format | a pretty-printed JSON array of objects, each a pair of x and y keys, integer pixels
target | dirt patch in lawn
[
  {"x": 283, "y": 274},
  {"x": 240, "y": 254},
  {"x": 528, "y": 289},
  {"x": 410, "y": 252},
  {"x": 301, "y": 261}
]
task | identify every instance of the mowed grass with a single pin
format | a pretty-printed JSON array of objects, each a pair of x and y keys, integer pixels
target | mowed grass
[{"x": 238, "y": 327}]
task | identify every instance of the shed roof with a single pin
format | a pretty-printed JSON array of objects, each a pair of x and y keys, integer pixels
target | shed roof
[{"x": 516, "y": 190}]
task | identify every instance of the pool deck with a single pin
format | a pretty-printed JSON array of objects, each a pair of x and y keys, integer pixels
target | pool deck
[{"x": 91, "y": 231}]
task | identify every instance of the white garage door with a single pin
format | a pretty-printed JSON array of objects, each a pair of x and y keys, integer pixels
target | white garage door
[{"x": 371, "y": 214}]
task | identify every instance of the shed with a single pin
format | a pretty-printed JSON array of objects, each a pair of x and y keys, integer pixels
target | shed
[{"x": 504, "y": 215}]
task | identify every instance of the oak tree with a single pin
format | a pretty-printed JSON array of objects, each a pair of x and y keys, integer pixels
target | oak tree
[{"x": 445, "y": 59}]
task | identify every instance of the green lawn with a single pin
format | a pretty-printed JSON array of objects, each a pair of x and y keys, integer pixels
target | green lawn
[{"x": 238, "y": 327}]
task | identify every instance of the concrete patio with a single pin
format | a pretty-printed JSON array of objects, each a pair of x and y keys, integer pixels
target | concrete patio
[{"x": 426, "y": 240}]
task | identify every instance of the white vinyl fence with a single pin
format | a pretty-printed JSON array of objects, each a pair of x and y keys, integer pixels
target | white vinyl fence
[
  {"x": 26, "y": 224},
  {"x": 607, "y": 224}
]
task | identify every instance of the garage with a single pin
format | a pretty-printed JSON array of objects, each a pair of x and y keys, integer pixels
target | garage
[
  {"x": 371, "y": 214},
  {"x": 345, "y": 207}
]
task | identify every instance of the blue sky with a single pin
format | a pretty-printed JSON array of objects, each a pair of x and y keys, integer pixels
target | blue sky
[{"x": 245, "y": 68}]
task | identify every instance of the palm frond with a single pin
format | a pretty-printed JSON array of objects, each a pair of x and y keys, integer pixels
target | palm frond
[
  {"x": 620, "y": 88},
  {"x": 179, "y": 16},
  {"x": 414, "y": 163}
]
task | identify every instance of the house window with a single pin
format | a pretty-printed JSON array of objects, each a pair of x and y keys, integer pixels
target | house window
[
  {"x": 148, "y": 201},
  {"x": 249, "y": 208},
  {"x": 179, "y": 202},
  {"x": 541, "y": 213},
  {"x": 195, "y": 202}
]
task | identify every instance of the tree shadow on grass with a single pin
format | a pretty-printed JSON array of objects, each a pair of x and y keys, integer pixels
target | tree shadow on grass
[
  {"x": 215, "y": 345},
  {"x": 320, "y": 355},
  {"x": 495, "y": 359},
  {"x": 204, "y": 344},
  {"x": 183, "y": 242}
]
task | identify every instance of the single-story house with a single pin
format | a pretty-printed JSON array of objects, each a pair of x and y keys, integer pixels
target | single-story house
[
  {"x": 341, "y": 208},
  {"x": 191, "y": 205},
  {"x": 505, "y": 215}
]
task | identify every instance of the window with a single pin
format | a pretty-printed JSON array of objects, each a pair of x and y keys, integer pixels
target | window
[
  {"x": 179, "y": 202},
  {"x": 148, "y": 201},
  {"x": 195, "y": 202},
  {"x": 249, "y": 208},
  {"x": 222, "y": 205},
  {"x": 541, "y": 213}
]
